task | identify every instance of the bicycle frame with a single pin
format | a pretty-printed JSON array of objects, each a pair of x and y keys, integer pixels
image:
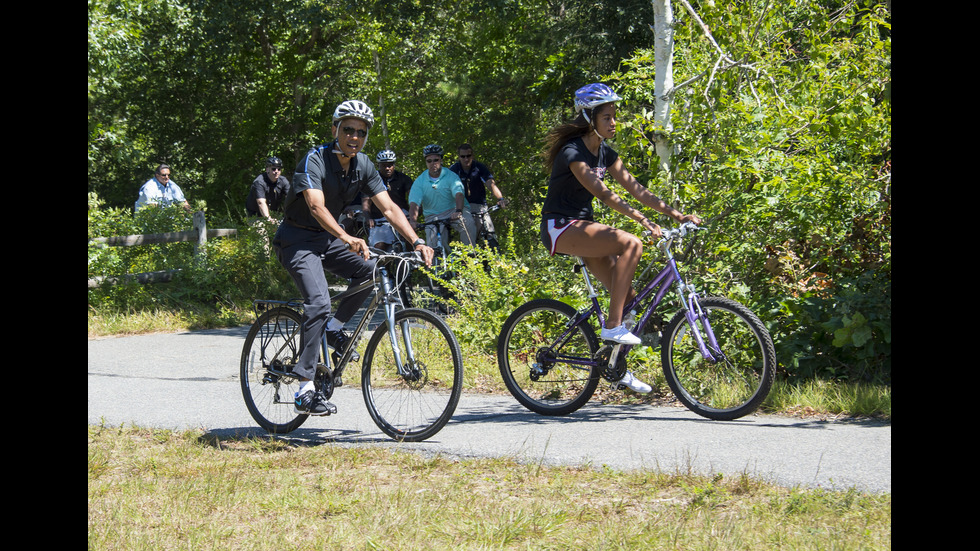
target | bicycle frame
[
  {"x": 668, "y": 277},
  {"x": 439, "y": 225},
  {"x": 383, "y": 289},
  {"x": 482, "y": 234}
]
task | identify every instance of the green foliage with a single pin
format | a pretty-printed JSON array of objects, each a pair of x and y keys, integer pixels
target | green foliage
[
  {"x": 788, "y": 160},
  {"x": 228, "y": 271},
  {"x": 487, "y": 287}
]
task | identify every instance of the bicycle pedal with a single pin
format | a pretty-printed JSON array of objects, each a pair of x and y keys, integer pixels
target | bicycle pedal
[
  {"x": 354, "y": 357},
  {"x": 338, "y": 381}
]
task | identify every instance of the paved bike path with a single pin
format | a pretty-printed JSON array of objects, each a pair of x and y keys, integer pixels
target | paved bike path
[{"x": 190, "y": 380}]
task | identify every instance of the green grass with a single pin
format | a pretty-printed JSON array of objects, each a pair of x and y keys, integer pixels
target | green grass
[{"x": 156, "y": 489}]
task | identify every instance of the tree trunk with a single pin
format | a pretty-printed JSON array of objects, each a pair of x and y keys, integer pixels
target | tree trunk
[{"x": 664, "y": 80}]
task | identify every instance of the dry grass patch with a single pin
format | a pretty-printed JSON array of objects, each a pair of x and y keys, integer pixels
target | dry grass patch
[{"x": 151, "y": 489}]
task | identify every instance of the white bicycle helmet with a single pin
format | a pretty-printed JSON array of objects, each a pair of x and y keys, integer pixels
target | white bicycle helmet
[
  {"x": 386, "y": 156},
  {"x": 354, "y": 109}
]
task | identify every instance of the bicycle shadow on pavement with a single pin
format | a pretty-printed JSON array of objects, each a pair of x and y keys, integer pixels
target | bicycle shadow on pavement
[{"x": 306, "y": 437}]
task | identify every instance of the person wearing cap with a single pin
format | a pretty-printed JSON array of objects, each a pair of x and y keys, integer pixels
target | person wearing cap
[
  {"x": 579, "y": 160},
  {"x": 268, "y": 191},
  {"x": 310, "y": 241}
]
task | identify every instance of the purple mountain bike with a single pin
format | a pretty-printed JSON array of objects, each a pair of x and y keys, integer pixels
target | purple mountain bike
[{"x": 717, "y": 356}]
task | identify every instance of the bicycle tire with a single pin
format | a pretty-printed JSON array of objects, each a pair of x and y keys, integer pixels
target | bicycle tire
[
  {"x": 272, "y": 342},
  {"x": 736, "y": 385},
  {"x": 529, "y": 370},
  {"x": 413, "y": 409}
]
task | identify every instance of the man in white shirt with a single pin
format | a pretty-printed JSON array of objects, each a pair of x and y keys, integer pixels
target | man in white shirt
[{"x": 161, "y": 190}]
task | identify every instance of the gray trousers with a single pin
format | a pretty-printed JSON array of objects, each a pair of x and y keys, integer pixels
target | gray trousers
[{"x": 299, "y": 251}]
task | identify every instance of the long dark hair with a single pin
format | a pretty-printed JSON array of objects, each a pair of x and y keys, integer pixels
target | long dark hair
[{"x": 558, "y": 136}]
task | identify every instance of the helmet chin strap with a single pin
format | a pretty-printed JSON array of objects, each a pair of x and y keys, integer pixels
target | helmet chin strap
[
  {"x": 338, "y": 151},
  {"x": 601, "y": 139},
  {"x": 336, "y": 148}
]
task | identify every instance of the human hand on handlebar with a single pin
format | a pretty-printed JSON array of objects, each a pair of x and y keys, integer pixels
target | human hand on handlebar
[
  {"x": 652, "y": 230},
  {"x": 690, "y": 218},
  {"x": 427, "y": 253},
  {"x": 357, "y": 245}
]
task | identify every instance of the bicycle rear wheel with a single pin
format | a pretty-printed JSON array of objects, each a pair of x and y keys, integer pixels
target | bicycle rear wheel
[
  {"x": 268, "y": 384},
  {"x": 738, "y": 382},
  {"x": 416, "y": 405},
  {"x": 536, "y": 368}
]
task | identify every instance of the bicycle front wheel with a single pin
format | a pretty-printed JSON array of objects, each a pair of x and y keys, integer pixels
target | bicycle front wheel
[
  {"x": 739, "y": 380},
  {"x": 414, "y": 405},
  {"x": 268, "y": 383},
  {"x": 547, "y": 373}
]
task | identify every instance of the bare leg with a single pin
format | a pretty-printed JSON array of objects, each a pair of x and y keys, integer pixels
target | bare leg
[{"x": 612, "y": 255}]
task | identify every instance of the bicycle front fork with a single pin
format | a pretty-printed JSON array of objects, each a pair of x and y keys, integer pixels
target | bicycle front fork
[
  {"x": 390, "y": 305},
  {"x": 694, "y": 314}
]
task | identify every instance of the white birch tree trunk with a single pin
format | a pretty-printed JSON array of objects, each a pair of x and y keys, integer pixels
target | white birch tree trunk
[{"x": 664, "y": 79}]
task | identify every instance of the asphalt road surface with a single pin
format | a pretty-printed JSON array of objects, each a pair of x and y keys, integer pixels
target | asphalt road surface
[{"x": 190, "y": 380}]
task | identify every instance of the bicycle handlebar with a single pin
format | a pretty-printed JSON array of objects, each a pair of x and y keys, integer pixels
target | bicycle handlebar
[
  {"x": 413, "y": 257},
  {"x": 679, "y": 231},
  {"x": 668, "y": 235}
]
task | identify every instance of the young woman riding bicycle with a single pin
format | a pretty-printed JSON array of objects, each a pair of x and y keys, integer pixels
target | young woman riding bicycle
[{"x": 579, "y": 159}]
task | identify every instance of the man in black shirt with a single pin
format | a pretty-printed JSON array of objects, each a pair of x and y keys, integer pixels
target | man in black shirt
[
  {"x": 477, "y": 179},
  {"x": 268, "y": 191},
  {"x": 310, "y": 240},
  {"x": 398, "y": 185}
]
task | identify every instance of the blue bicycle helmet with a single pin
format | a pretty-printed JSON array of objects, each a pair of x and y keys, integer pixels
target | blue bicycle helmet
[
  {"x": 593, "y": 95},
  {"x": 432, "y": 149}
]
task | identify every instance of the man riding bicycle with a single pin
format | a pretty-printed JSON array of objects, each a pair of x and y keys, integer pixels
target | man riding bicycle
[
  {"x": 380, "y": 234},
  {"x": 310, "y": 240},
  {"x": 477, "y": 179},
  {"x": 439, "y": 194}
]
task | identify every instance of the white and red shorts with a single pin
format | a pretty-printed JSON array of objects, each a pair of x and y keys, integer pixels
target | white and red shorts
[{"x": 551, "y": 230}]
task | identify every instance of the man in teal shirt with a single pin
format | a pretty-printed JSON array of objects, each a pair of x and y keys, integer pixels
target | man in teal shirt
[{"x": 439, "y": 193}]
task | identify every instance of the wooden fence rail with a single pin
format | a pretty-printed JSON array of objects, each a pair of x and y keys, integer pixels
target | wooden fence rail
[{"x": 199, "y": 234}]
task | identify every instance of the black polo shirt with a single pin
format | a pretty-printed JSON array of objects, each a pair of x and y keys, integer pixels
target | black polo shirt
[
  {"x": 263, "y": 188},
  {"x": 474, "y": 181},
  {"x": 320, "y": 169},
  {"x": 398, "y": 188}
]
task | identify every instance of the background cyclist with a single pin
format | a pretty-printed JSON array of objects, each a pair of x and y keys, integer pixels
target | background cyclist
[
  {"x": 380, "y": 234},
  {"x": 439, "y": 194},
  {"x": 477, "y": 179}
]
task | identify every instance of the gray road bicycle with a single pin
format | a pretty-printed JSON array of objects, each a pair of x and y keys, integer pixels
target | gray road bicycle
[
  {"x": 411, "y": 371},
  {"x": 717, "y": 356}
]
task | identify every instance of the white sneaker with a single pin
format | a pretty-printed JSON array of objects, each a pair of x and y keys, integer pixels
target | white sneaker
[
  {"x": 632, "y": 383},
  {"x": 619, "y": 334}
]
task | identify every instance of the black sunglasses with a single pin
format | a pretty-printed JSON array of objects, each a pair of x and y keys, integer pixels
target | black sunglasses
[{"x": 349, "y": 131}]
